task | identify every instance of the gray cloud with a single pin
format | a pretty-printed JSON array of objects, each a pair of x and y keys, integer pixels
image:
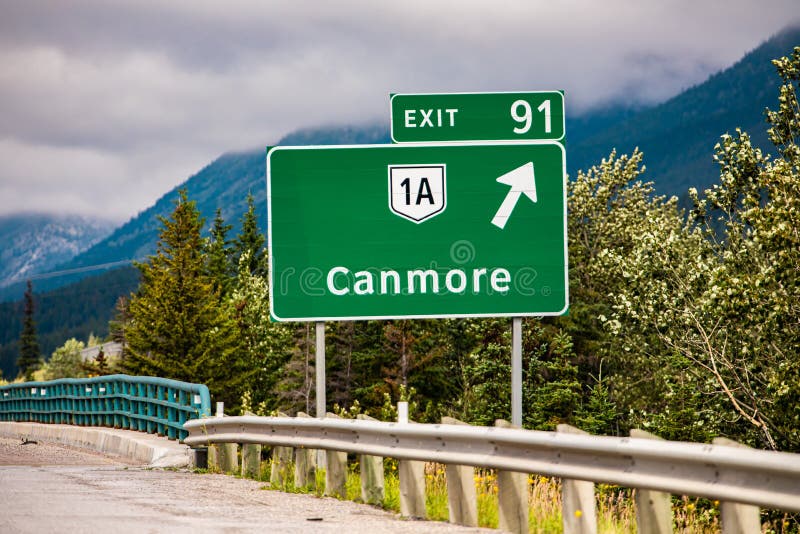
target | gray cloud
[{"x": 112, "y": 104}]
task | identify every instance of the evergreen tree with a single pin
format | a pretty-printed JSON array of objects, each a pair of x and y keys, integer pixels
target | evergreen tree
[
  {"x": 179, "y": 327},
  {"x": 30, "y": 357},
  {"x": 459, "y": 341},
  {"x": 488, "y": 395},
  {"x": 250, "y": 242},
  {"x": 551, "y": 393},
  {"x": 100, "y": 365},
  {"x": 218, "y": 254},
  {"x": 340, "y": 347},
  {"x": 357, "y": 363}
]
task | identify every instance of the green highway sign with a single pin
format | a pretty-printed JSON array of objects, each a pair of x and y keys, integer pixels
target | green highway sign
[
  {"x": 417, "y": 231},
  {"x": 437, "y": 117}
]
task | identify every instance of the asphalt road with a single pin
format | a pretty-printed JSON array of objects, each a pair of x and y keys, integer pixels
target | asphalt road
[{"x": 50, "y": 488}]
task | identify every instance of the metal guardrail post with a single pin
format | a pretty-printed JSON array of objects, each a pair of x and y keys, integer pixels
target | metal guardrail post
[
  {"x": 412, "y": 476},
  {"x": 251, "y": 460},
  {"x": 412, "y": 488},
  {"x": 281, "y": 464},
  {"x": 223, "y": 457},
  {"x": 227, "y": 457},
  {"x": 335, "y": 470}
]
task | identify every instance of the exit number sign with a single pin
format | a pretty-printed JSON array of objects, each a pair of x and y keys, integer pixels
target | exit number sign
[{"x": 433, "y": 117}]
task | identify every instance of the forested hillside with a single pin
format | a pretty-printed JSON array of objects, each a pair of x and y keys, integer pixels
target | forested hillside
[{"x": 76, "y": 310}]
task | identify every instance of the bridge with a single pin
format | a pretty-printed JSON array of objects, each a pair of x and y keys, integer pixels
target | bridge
[{"x": 59, "y": 476}]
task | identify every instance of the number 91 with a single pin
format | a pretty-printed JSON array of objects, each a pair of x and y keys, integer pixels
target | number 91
[{"x": 525, "y": 116}]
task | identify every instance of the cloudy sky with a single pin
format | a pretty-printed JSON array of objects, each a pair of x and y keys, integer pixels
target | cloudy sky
[{"x": 107, "y": 105}]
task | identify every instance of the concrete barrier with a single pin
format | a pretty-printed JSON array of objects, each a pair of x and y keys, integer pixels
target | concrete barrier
[{"x": 140, "y": 447}]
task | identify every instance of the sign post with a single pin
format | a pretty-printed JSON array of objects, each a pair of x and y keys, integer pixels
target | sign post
[
  {"x": 516, "y": 371},
  {"x": 319, "y": 364}
]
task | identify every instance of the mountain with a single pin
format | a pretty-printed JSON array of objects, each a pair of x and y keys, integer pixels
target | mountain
[
  {"x": 31, "y": 244},
  {"x": 224, "y": 183},
  {"x": 678, "y": 136}
]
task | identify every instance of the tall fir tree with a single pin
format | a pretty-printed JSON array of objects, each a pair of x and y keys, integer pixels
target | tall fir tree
[
  {"x": 30, "y": 356},
  {"x": 179, "y": 326},
  {"x": 219, "y": 255},
  {"x": 250, "y": 242}
]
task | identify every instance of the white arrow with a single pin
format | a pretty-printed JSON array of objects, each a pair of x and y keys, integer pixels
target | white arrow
[{"x": 521, "y": 180}]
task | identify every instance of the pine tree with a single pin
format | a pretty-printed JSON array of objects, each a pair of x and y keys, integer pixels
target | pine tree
[
  {"x": 101, "y": 363},
  {"x": 250, "y": 242},
  {"x": 218, "y": 253},
  {"x": 30, "y": 356},
  {"x": 179, "y": 327}
]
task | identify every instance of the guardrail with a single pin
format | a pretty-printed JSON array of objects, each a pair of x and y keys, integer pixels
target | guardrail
[
  {"x": 148, "y": 404},
  {"x": 731, "y": 474}
]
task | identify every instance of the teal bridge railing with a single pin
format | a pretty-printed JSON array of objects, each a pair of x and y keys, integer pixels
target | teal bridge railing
[{"x": 148, "y": 404}]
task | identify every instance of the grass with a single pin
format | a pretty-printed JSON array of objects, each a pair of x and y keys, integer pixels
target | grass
[
  {"x": 544, "y": 505},
  {"x": 486, "y": 492},
  {"x": 436, "y": 493},
  {"x": 391, "y": 486}
]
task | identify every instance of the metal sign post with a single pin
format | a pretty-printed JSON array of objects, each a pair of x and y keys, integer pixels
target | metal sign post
[
  {"x": 516, "y": 371},
  {"x": 319, "y": 363}
]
